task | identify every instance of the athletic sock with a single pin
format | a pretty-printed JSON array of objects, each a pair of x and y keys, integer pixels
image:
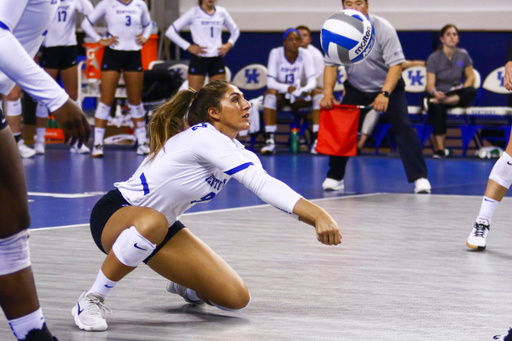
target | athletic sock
[
  {"x": 40, "y": 132},
  {"x": 99, "y": 135},
  {"x": 102, "y": 285},
  {"x": 140, "y": 133},
  {"x": 487, "y": 209},
  {"x": 21, "y": 326}
]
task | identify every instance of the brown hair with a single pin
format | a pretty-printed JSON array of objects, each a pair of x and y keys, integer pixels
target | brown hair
[
  {"x": 302, "y": 27},
  {"x": 443, "y": 31},
  {"x": 167, "y": 121}
]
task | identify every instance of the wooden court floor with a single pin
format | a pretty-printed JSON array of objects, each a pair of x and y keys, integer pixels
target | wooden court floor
[{"x": 403, "y": 272}]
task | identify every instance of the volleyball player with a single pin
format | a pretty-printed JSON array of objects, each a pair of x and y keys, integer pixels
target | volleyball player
[
  {"x": 207, "y": 49},
  {"x": 139, "y": 221},
  {"x": 13, "y": 113},
  {"x": 318, "y": 59},
  {"x": 59, "y": 56},
  {"x": 288, "y": 66},
  {"x": 122, "y": 53},
  {"x": 499, "y": 182},
  {"x": 22, "y": 23},
  {"x": 377, "y": 81}
]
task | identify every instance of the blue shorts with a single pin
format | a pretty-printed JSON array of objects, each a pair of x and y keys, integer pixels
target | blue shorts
[
  {"x": 202, "y": 66},
  {"x": 58, "y": 57},
  {"x": 116, "y": 60}
]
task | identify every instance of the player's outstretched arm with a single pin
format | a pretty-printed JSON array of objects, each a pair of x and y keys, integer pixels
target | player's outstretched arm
[
  {"x": 73, "y": 123},
  {"x": 327, "y": 230}
]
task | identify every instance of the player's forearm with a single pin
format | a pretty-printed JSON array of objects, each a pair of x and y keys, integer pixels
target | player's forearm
[
  {"x": 330, "y": 75},
  {"x": 392, "y": 78}
]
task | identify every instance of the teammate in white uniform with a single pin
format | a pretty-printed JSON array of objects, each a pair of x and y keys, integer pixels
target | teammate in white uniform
[
  {"x": 22, "y": 23},
  {"x": 129, "y": 27},
  {"x": 318, "y": 60},
  {"x": 139, "y": 221},
  {"x": 205, "y": 21},
  {"x": 59, "y": 56},
  {"x": 287, "y": 67}
]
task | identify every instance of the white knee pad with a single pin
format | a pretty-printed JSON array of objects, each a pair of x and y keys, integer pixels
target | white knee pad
[
  {"x": 131, "y": 248},
  {"x": 316, "y": 101},
  {"x": 102, "y": 111},
  {"x": 13, "y": 108},
  {"x": 14, "y": 253},
  {"x": 137, "y": 111},
  {"x": 41, "y": 110},
  {"x": 228, "y": 309},
  {"x": 270, "y": 102},
  {"x": 502, "y": 171}
]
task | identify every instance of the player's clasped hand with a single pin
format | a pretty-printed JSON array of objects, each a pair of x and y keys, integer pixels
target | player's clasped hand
[
  {"x": 110, "y": 41},
  {"x": 196, "y": 50},
  {"x": 380, "y": 104},
  {"x": 141, "y": 40}
]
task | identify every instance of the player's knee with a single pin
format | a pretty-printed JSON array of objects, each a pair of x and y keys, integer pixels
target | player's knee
[
  {"x": 270, "y": 101},
  {"x": 153, "y": 226},
  {"x": 501, "y": 173},
  {"x": 14, "y": 253},
  {"x": 238, "y": 298}
]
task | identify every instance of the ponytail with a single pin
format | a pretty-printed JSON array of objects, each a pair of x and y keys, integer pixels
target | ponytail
[{"x": 167, "y": 121}]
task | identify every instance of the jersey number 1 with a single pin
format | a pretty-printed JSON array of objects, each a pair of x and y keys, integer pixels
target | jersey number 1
[{"x": 62, "y": 16}]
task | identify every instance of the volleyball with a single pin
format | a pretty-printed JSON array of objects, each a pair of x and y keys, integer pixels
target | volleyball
[{"x": 347, "y": 37}]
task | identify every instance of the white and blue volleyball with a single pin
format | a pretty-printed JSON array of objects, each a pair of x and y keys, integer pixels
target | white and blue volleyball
[{"x": 347, "y": 37}]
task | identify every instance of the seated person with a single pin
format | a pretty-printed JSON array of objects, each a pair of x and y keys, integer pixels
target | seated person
[
  {"x": 287, "y": 66},
  {"x": 318, "y": 60},
  {"x": 445, "y": 68}
]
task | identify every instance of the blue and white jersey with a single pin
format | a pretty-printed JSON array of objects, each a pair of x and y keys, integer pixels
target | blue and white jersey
[
  {"x": 206, "y": 29},
  {"x": 282, "y": 74},
  {"x": 62, "y": 29},
  {"x": 23, "y": 24},
  {"x": 124, "y": 21},
  {"x": 193, "y": 167}
]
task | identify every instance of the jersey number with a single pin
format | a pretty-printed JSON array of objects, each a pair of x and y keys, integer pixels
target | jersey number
[
  {"x": 62, "y": 16},
  {"x": 211, "y": 31},
  {"x": 207, "y": 197},
  {"x": 290, "y": 78},
  {"x": 128, "y": 20}
]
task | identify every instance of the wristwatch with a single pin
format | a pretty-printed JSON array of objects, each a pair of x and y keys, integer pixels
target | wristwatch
[{"x": 384, "y": 93}]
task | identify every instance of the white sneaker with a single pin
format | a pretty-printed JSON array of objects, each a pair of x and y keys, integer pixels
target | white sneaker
[
  {"x": 313, "y": 148},
  {"x": 82, "y": 150},
  {"x": 422, "y": 186},
  {"x": 477, "y": 237},
  {"x": 269, "y": 148},
  {"x": 89, "y": 312},
  {"x": 175, "y": 288},
  {"x": 333, "y": 185},
  {"x": 97, "y": 151},
  {"x": 25, "y": 151},
  {"x": 143, "y": 149}
]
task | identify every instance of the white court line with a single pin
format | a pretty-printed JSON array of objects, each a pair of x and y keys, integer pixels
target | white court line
[
  {"x": 215, "y": 211},
  {"x": 66, "y": 195}
]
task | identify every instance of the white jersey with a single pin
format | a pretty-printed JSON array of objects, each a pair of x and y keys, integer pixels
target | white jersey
[
  {"x": 62, "y": 29},
  {"x": 22, "y": 25},
  {"x": 206, "y": 29},
  {"x": 193, "y": 167},
  {"x": 124, "y": 21},
  {"x": 318, "y": 59},
  {"x": 281, "y": 74}
]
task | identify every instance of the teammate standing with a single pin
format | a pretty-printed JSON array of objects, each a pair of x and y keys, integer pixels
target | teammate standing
[
  {"x": 207, "y": 49},
  {"x": 139, "y": 221},
  {"x": 377, "y": 81},
  {"x": 59, "y": 56},
  {"x": 288, "y": 66},
  {"x": 22, "y": 24},
  {"x": 122, "y": 52},
  {"x": 499, "y": 182}
]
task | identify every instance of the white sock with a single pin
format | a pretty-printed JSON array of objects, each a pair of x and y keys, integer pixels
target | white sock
[
  {"x": 487, "y": 209},
  {"x": 102, "y": 285},
  {"x": 140, "y": 133},
  {"x": 21, "y": 326},
  {"x": 192, "y": 295},
  {"x": 40, "y": 132},
  {"x": 271, "y": 129},
  {"x": 316, "y": 128},
  {"x": 99, "y": 135}
]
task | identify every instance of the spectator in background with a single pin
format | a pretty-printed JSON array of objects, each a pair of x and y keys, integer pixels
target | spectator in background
[
  {"x": 377, "y": 81},
  {"x": 59, "y": 57},
  {"x": 207, "y": 49},
  {"x": 445, "y": 68},
  {"x": 126, "y": 35},
  {"x": 288, "y": 66}
]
